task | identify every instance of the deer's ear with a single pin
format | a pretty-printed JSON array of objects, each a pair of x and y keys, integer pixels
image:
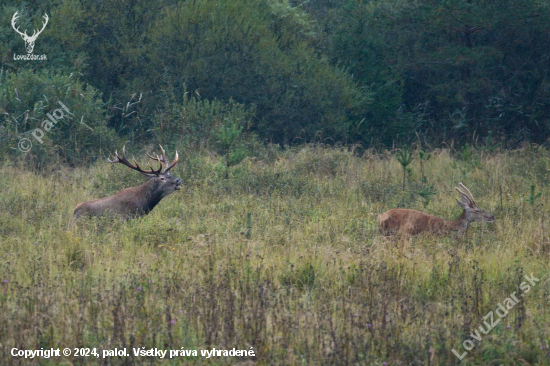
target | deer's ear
[{"x": 464, "y": 204}]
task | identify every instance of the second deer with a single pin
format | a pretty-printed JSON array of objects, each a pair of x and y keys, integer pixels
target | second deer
[{"x": 413, "y": 222}]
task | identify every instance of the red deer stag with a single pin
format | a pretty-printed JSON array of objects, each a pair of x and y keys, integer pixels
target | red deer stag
[
  {"x": 413, "y": 222},
  {"x": 135, "y": 201}
]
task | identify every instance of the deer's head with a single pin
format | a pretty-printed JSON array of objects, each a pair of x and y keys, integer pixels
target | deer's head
[
  {"x": 473, "y": 212},
  {"x": 29, "y": 40},
  {"x": 162, "y": 182}
]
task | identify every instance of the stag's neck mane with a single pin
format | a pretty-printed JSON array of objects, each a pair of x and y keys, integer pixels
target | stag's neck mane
[{"x": 151, "y": 195}]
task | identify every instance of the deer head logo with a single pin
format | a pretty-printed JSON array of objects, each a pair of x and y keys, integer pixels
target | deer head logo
[{"x": 29, "y": 41}]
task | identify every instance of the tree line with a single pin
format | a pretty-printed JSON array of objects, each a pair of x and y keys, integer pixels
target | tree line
[{"x": 377, "y": 73}]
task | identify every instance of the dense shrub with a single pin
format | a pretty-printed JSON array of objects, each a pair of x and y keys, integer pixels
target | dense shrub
[{"x": 26, "y": 130}]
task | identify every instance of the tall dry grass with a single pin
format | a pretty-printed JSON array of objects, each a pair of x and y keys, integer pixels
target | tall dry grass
[{"x": 308, "y": 280}]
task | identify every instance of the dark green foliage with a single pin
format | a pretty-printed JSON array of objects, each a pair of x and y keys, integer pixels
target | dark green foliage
[
  {"x": 532, "y": 199},
  {"x": 469, "y": 159},
  {"x": 248, "y": 224},
  {"x": 426, "y": 193},
  {"x": 195, "y": 121},
  {"x": 490, "y": 145},
  {"x": 80, "y": 136},
  {"x": 256, "y": 52},
  {"x": 227, "y": 137},
  {"x": 446, "y": 69},
  {"x": 423, "y": 156},
  {"x": 325, "y": 71},
  {"x": 404, "y": 157}
]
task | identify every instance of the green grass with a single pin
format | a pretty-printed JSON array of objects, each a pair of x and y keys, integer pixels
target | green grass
[{"x": 312, "y": 283}]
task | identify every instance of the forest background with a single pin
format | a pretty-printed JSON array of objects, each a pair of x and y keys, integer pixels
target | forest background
[{"x": 374, "y": 73}]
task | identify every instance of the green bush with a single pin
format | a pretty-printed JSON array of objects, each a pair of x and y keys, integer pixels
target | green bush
[
  {"x": 79, "y": 136},
  {"x": 195, "y": 121},
  {"x": 258, "y": 53}
]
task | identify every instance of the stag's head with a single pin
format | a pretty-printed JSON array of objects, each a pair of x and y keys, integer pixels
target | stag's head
[
  {"x": 162, "y": 181},
  {"x": 473, "y": 212},
  {"x": 29, "y": 40}
]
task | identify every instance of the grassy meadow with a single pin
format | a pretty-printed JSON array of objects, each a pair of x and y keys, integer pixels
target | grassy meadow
[{"x": 283, "y": 256}]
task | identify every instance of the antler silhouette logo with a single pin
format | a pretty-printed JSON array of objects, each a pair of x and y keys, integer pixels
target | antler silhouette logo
[{"x": 29, "y": 40}]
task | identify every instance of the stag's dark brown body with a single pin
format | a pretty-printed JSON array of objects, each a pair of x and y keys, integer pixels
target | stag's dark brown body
[{"x": 135, "y": 201}]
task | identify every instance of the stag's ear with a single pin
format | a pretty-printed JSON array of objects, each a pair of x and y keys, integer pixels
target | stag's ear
[{"x": 465, "y": 203}]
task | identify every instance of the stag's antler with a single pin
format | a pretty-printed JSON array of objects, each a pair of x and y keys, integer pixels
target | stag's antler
[
  {"x": 468, "y": 194},
  {"x": 163, "y": 159},
  {"x": 124, "y": 160}
]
